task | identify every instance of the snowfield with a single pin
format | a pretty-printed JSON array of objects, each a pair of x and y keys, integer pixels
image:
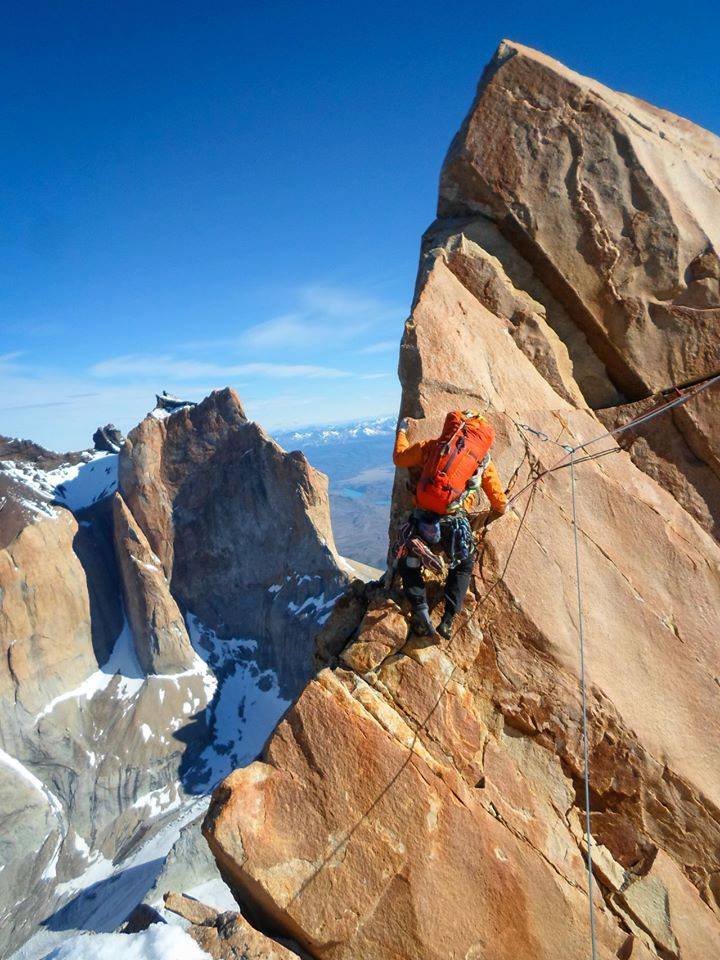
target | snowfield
[
  {"x": 75, "y": 486},
  {"x": 242, "y": 706},
  {"x": 159, "y": 942}
]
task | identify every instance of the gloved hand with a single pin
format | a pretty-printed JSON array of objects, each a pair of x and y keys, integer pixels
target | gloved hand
[
  {"x": 403, "y": 425},
  {"x": 497, "y": 512}
]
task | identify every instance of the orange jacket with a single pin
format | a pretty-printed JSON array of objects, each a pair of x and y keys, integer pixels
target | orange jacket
[{"x": 410, "y": 455}]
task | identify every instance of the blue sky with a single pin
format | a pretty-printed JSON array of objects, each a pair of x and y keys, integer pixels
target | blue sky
[{"x": 196, "y": 195}]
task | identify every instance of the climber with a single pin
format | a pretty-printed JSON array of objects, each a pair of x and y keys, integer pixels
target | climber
[{"x": 448, "y": 473}]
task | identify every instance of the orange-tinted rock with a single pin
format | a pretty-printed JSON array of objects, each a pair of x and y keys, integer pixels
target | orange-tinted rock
[
  {"x": 225, "y": 936},
  {"x": 241, "y": 528},
  {"x": 46, "y": 637},
  {"x": 425, "y": 800},
  {"x": 161, "y": 640},
  {"x": 612, "y": 205}
]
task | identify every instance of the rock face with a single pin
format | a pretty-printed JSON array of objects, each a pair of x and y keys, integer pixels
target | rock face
[
  {"x": 144, "y": 638},
  {"x": 161, "y": 640},
  {"x": 241, "y": 528},
  {"x": 422, "y": 801},
  {"x": 610, "y": 208}
]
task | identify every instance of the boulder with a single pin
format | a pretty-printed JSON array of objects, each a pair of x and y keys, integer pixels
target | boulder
[
  {"x": 225, "y": 936},
  {"x": 108, "y": 439}
]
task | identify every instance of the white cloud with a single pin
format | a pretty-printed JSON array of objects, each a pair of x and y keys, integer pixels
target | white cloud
[
  {"x": 333, "y": 301},
  {"x": 61, "y": 408},
  {"x": 146, "y": 366}
]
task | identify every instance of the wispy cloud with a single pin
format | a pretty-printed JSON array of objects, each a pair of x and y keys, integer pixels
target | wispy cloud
[
  {"x": 8, "y": 361},
  {"x": 146, "y": 366},
  {"x": 381, "y": 346},
  {"x": 302, "y": 366},
  {"x": 321, "y": 316}
]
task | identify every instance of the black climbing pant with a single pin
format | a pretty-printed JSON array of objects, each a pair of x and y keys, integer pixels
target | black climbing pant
[{"x": 456, "y": 585}]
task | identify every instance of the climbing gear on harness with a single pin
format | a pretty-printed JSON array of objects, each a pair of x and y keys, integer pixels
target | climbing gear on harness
[
  {"x": 411, "y": 544},
  {"x": 458, "y": 537},
  {"x": 428, "y": 526},
  {"x": 456, "y": 456}
]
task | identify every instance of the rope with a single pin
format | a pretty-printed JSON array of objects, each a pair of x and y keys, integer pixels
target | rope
[
  {"x": 637, "y": 421},
  {"x": 583, "y": 689},
  {"x": 543, "y": 436},
  {"x": 655, "y": 412},
  {"x": 573, "y": 462}
]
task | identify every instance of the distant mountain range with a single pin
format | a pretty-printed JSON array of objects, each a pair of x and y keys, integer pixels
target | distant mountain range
[
  {"x": 322, "y": 435},
  {"x": 357, "y": 457}
]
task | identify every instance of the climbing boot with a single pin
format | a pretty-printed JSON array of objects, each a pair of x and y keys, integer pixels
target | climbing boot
[
  {"x": 421, "y": 624},
  {"x": 444, "y": 628}
]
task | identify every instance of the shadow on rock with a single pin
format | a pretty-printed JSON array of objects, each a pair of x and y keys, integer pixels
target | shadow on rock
[{"x": 103, "y": 906}]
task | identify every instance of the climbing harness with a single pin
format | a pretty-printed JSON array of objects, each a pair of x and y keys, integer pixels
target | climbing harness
[{"x": 411, "y": 544}]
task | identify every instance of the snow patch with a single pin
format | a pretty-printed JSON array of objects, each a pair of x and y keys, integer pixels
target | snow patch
[
  {"x": 82, "y": 846},
  {"x": 319, "y": 605},
  {"x": 215, "y": 894},
  {"x": 122, "y": 662},
  {"x": 75, "y": 486},
  {"x": 98, "y": 869},
  {"x": 159, "y": 942},
  {"x": 159, "y": 801},
  {"x": 246, "y": 708},
  {"x": 22, "y": 771}
]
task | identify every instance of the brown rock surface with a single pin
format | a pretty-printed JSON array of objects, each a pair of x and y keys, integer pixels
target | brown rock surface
[
  {"x": 612, "y": 205},
  {"x": 161, "y": 640},
  {"x": 225, "y": 936},
  {"x": 46, "y": 637},
  {"x": 241, "y": 528},
  {"x": 423, "y": 801}
]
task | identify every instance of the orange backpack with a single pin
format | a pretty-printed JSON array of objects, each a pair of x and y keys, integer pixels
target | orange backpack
[{"x": 454, "y": 457}]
